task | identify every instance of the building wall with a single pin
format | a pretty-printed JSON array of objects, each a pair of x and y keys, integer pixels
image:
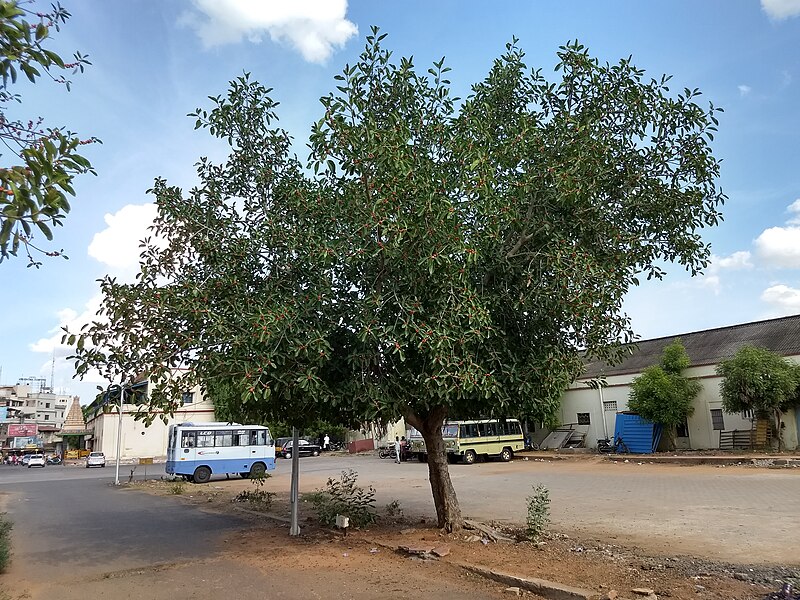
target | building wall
[
  {"x": 580, "y": 398},
  {"x": 137, "y": 440}
]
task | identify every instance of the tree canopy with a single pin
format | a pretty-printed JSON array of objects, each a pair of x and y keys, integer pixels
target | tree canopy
[
  {"x": 760, "y": 380},
  {"x": 662, "y": 394},
  {"x": 438, "y": 258},
  {"x": 41, "y": 161}
]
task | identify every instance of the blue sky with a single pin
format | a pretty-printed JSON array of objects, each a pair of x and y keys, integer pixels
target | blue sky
[{"x": 153, "y": 62}]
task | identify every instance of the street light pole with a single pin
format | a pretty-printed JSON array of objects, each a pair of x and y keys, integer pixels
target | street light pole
[{"x": 119, "y": 433}]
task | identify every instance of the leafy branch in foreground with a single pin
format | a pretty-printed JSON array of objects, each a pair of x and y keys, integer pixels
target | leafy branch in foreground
[{"x": 40, "y": 161}]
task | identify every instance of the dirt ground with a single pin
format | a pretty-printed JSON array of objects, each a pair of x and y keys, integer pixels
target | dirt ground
[{"x": 322, "y": 557}]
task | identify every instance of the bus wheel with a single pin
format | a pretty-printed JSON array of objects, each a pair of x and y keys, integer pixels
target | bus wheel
[
  {"x": 470, "y": 457},
  {"x": 257, "y": 470},
  {"x": 506, "y": 454},
  {"x": 202, "y": 475}
]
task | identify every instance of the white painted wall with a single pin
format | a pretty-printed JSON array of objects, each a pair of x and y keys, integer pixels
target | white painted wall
[{"x": 580, "y": 398}]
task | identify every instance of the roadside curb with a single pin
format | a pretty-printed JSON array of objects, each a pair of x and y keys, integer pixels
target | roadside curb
[
  {"x": 758, "y": 461},
  {"x": 540, "y": 587}
]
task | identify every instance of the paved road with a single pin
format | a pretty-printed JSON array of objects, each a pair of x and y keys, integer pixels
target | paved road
[{"x": 77, "y": 536}]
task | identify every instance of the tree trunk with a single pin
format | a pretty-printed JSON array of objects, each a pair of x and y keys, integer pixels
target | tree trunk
[{"x": 448, "y": 512}]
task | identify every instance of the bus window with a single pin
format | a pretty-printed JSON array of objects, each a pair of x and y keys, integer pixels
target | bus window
[
  {"x": 205, "y": 439},
  {"x": 243, "y": 438},
  {"x": 223, "y": 439},
  {"x": 262, "y": 437},
  {"x": 450, "y": 430},
  {"x": 469, "y": 430},
  {"x": 491, "y": 429},
  {"x": 187, "y": 439}
]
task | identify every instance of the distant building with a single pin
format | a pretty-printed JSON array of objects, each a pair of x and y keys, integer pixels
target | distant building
[
  {"x": 31, "y": 418},
  {"x": 593, "y": 408},
  {"x": 138, "y": 440}
]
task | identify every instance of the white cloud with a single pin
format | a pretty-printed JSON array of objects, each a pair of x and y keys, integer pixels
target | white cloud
[
  {"x": 784, "y": 299},
  {"x": 794, "y": 211},
  {"x": 51, "y": 346},
  {"x": 781, "y": 9},
  {"x": 117, "y": 246},
  {"x": 735, "y": 262},
  {"x": 313, "y": 27},
  {"x": 744, "y": 90},
  {"x": 780, "y": 247}
]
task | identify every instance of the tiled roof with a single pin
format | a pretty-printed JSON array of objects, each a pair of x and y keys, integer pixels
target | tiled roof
[{"x": 710, "y": 346}]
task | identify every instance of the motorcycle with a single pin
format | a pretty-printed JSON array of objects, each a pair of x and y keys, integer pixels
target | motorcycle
[{"x": 53, "y": 460}]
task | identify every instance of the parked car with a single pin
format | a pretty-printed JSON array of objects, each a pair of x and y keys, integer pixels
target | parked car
[
  {"x": 96, "y": 459},
  {"x": 279, "y": 444},
  {"x": 304, "y": 446},
  {"x": 36, "y": 460},
  {"x": 25, "y": 460}
]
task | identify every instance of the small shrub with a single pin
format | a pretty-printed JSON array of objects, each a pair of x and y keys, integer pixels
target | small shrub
[
  {"x": 260, "y": 480},
  {"x": 176, "y": 488},
  {"x": 344, "y": 497},
  {"x": 256, "y": 498},
  {"x": 538, "y": 512},
  {"x": 393, "y": 509},
  {"x": 5, "y": 542}
]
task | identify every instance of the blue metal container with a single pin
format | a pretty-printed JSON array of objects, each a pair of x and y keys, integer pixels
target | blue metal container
[{"x": 634, "y": 434}]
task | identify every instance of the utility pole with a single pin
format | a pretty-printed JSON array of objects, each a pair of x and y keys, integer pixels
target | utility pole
[{"x": 294, "y": 495}]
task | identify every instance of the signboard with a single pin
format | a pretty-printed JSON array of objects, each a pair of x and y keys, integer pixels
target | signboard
[
  {"x": 22, "y": 443},
  {"x": 22, "y": 429},
  {"x": 3, "y": 413},
  {"x": 146, "y": 461}
]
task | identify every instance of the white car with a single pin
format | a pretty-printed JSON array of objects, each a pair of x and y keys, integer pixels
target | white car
[
  {"x": 36, "y": 460},
  {"x": 96, "y": 459}
]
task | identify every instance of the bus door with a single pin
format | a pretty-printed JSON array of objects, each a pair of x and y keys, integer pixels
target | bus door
[{"x": 188, "y": 446}]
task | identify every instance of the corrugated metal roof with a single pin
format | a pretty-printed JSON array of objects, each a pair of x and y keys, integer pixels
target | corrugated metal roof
[{"x": 710, "y": 346}]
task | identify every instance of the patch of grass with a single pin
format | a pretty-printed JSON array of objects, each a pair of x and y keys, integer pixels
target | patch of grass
[
  {"x": 177, "y": 488},
  {"x": 393, "y": 509},
  {"x": 5, "y": 541}
]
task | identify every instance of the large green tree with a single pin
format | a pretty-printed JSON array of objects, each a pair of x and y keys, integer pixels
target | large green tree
[
  {"x": 439, "y": 258},
  {"x": 760, "y": 380},
  {"x": 40, "y": 161},
  {"x": 662, "y": 393}
]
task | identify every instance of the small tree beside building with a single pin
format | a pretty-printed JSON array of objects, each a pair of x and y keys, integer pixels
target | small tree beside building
[
  {"x": 760, "y": 380},
  {"x": 662, "y": 393}
]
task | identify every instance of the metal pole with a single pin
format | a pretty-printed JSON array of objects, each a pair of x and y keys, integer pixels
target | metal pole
[
  {"x": 603, "y": 410},
  {"x": 119, "y": 434},
  {"x": 294, "y": 495}
]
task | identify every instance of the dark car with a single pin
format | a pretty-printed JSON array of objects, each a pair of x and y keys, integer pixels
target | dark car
[
  {"x": 280, "y": 443},
  {"x": 306, "y": 448}
]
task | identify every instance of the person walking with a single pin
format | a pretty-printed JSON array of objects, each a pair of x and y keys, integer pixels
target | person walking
[
  {"x": 397, "y": 449},
  {"x": 326, "y": 442}
]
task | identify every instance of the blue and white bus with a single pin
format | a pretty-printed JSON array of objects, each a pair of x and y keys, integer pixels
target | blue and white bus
[{"x": 196, "y": 451}]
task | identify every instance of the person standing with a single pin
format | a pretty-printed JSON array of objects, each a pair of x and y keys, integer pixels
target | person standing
[
  {"x": 397, "y": 449},
  {"x": 326, "y": 442}
]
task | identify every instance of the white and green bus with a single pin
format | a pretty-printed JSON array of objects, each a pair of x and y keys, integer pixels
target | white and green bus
[{"x": 468, "y": 440}]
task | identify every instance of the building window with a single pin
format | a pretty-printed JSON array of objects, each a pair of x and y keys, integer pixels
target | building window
[
  {"x": 716, "y": 419},
  {"x": 682, "y": 430},
  {"x": 47, "y": 417},
  {"x": 47, "y": 405},
  {"x": 610, "y": 406},
  {"x": 584, "y": 419},
  {"x": 748, "y": 415},
  {"x": 187, "y": 398}
]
